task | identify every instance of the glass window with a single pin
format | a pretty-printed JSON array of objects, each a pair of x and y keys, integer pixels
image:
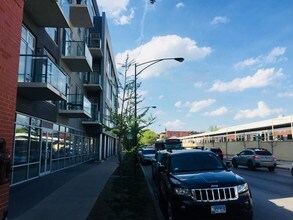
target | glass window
[
  {"x": 35, "y": 142},
  {"x": 21, "y": 146},
  {"x": 52, "y": 32},
  {"x": 19, "y": 174},
  {"x": 22, "y": 119}
]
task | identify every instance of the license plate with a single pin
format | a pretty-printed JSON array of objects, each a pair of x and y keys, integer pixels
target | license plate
[{"x": 218, "y": 209}]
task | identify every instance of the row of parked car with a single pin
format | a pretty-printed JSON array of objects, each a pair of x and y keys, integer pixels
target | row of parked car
[{"x": 198, "y": 184}]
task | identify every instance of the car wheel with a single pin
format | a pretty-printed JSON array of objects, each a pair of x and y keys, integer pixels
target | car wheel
[
  {"x": 250, "y": 165},
  {"x": 271, "y": 168},
  {"x": 234, "y": 163}
]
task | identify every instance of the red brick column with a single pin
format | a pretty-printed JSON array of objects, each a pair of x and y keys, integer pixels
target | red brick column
[{"x": 11, "y": 13}]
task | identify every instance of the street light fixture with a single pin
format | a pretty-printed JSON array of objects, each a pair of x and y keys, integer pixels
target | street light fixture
[{"x": 148, "y": 64}]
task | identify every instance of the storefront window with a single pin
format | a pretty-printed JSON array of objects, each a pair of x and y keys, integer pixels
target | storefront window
[{"x": 21, "y": 144}]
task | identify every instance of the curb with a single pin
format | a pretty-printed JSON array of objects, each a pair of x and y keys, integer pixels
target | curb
[{"x": 157, "y": 207}]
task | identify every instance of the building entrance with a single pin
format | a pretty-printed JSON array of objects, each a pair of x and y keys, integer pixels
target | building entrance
[{"x": 46, "y": 149}]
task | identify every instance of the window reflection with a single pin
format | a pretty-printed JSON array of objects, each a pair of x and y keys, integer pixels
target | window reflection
[{"x": 21, "y": 144}]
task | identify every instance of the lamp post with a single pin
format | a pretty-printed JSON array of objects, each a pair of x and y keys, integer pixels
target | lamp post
[{"x": 136, "y": 73}]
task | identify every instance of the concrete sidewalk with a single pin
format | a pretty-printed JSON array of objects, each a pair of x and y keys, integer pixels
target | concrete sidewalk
[{"x": 67, "y": 194}]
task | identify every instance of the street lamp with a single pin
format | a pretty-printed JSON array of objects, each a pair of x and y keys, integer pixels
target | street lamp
[{"x": 136, "y": 73}]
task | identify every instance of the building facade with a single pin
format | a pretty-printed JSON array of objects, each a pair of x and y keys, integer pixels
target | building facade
[
  {"x": 67, "y": 84},
  {"x": 60, "y": 84}
]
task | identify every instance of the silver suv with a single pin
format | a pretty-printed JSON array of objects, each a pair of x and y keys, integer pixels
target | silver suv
[{"x": 255, "y": 157}]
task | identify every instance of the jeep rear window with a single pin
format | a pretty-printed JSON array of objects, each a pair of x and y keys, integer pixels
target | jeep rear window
[{"x": 195, "y": 162}]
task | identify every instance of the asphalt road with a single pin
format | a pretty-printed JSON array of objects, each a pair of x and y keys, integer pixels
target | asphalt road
[{"x": 272, "y": 192}]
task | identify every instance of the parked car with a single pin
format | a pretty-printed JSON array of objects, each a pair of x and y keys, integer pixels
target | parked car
[
  {"x": 147, "y": 155},
  {"x": 157, "y": 162},
  {"x": 291, "y": 169},
  {"x": 217, "y": 151},
  {"x": 197, "y": 184},
  {"x": 255, "y": 157}
]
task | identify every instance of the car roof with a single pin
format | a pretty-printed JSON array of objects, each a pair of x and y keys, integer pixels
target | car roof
[{"x": 192, "y": 151}]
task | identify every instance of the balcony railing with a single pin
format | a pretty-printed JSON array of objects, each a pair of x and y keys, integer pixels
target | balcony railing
[
  {"x": 82, "y": 13},
  {"x": 77, "y": 56},
  {"x": 95, "y": 44},
  {"x": 39, "y": 78},
  {"x": 76, "y": 106},
  {"x": 95, "y": 116},
  {"x": 48, "y": 13},
  {"x": 92, "y": 82}
]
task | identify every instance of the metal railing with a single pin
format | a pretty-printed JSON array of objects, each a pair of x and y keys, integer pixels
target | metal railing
[
  {"x": 77, "y": 49},
  {"x": 95, "y": 113},
  {"x": 94, "y": 40},
  {"x": 76, "y": 102},
  {"x": 92, "y": 78},
  {"x": 40, "y": 69}
]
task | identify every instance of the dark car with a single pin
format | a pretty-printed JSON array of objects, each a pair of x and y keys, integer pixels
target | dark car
[
  {"x": 156, "y": 165},
  {"x": 255, "y": 157},
  {"x": 147, "y": 155},
  {"x": 199, "y": 185},
  {"x": 217, "y": 151}
]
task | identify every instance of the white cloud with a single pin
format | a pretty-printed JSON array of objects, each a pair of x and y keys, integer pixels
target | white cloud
[
  {"x": 178, "y": 104},
  {"x": 199, "y": 105},
  {"x": 117, "y": 10},
  {"x": 275, "y": 56},
  {"x": 217, "y": 112},
  {"x": 180, "y": 5},
  {"x": 219, "y": 20},
  {"x": 286, "y": 94},
  {"x": 174, "y": 125},
  {"x": 198, "y": 84},
  {"x": 261, "y": 111},
  {"x": 262, "y": 78},
  {"x": 163, "y": 47},
  {"x": 161, "y": 97}
]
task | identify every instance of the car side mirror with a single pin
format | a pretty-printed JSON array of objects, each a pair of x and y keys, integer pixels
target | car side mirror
[{"x": 228, "y": 164}]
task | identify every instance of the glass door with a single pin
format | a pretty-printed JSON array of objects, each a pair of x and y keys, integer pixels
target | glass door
[{"x": 46, "y": 148}]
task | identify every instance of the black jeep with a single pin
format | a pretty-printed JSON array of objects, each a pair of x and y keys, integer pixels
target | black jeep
[{"x": 197, "y": 184}]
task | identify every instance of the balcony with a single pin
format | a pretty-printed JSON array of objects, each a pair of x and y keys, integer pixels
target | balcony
[
  {"x": 76, "y": 106},
  {"x": 48, "y": 13},
  {"x": 77, "y": 56},
  {"x": 81, "y": 13},
  {"x": 95, "y": 120},
  {"x": 94, "y": 44},
  {"x": 92, "y": 82},
  {"x": 40, "y": 79}
]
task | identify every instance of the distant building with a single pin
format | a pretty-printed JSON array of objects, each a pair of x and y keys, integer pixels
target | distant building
[{"x": 168, "y": 134}]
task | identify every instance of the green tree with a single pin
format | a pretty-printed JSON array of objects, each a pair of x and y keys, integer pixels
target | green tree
[
  {"x": 148, "y": 137},
  {"x": 122, "y": 120},
  {"x": 214, "y": 128}
]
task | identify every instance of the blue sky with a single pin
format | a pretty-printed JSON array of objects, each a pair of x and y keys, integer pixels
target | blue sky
[{"x": 238, "y": 58}]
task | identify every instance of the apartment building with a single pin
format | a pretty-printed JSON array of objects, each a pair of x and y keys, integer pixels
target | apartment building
[{"x": 66, "y": 85}]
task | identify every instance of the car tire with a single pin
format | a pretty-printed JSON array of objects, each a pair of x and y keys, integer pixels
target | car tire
[
  {"x": 292, "y": 171},
  {"x": 271, "y": 169},
  {"x": 234, "y": 163},
  {"x": 250, "y": 165}
]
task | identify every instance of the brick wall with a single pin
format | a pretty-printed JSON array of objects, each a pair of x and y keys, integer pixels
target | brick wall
[{"x": 11, "y": 12}]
